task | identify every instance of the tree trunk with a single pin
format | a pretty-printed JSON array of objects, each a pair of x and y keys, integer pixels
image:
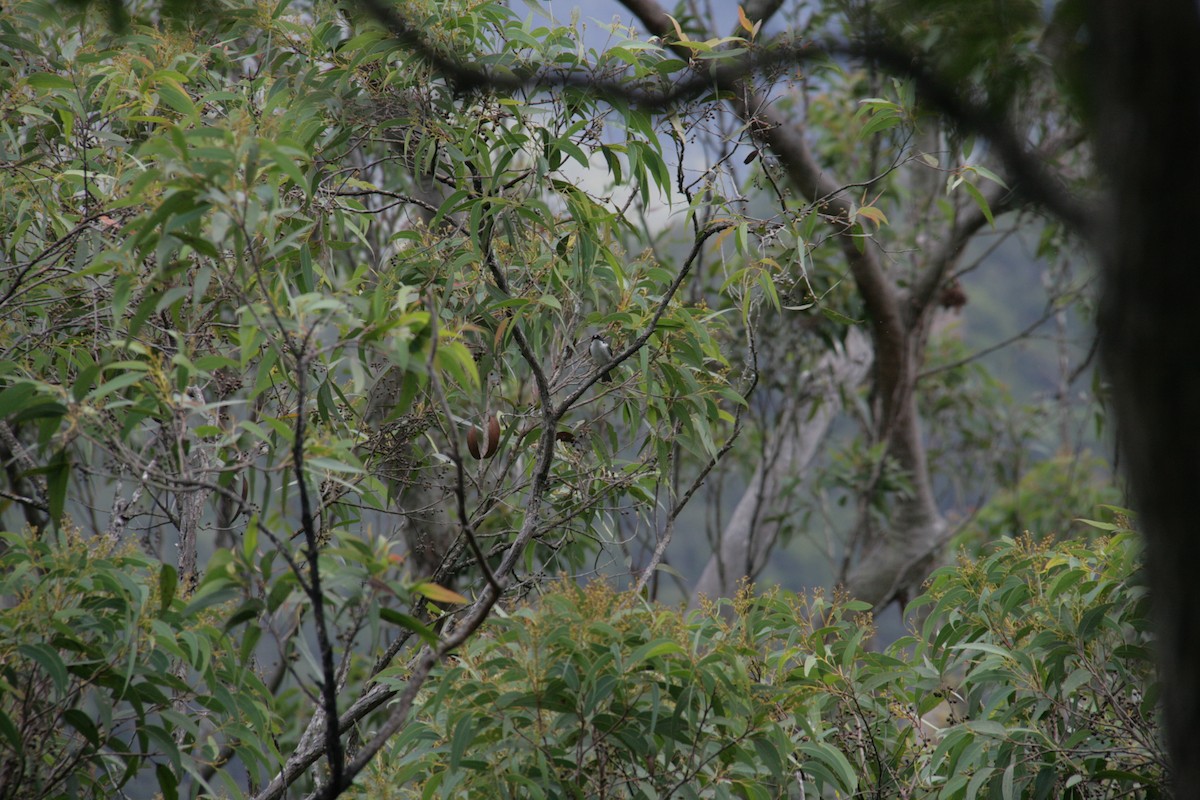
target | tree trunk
[{"x": 1147, "y": 91}]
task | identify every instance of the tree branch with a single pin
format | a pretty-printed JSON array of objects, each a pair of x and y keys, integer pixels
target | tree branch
[{"x": 329, "y": 701}]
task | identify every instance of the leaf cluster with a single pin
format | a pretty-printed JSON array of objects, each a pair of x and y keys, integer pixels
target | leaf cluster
[
  {"x": 1030, "y": 676},
  {"x": 110, "y": 676}
]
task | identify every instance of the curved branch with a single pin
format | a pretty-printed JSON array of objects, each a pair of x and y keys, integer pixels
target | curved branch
[{"x": 1032, "y": 179}]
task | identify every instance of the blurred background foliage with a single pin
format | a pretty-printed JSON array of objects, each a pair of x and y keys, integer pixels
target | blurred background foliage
[{"x": 281, "y": 303}]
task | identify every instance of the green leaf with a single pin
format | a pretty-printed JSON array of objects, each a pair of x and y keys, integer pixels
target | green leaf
[
  {"x": 980, "y": 201},
  {"x": 15, "y": 397},
  {"x": 58, "y": 478},
  {"x": 168, "y": 782},
  {"x": 51, "y": 663},
  {"x": 879, "y": 122},
  {"x": 286, "y": 164},
  {"x": 82, "y": 723},
  {"x": 175, "y": 96},
  {"x": 464, "y": 735},
  {"x": 986, "y": 727},
  {"x": 10, "y": 733},
  {"x": 836, "y": 763},
  {"x": 984, "y": 647},
  {"x": 977, "y": 782},
  {"x": 456, "y": 359},
  {"x": 1006, "y": 783},
  {"x": 211, "y": 594},
  {"x": 654, "y": 649},
  {"x": 251, "y": 608},
  {"x": 168, "y": 581},
  {"x": 115, "y": 385},
  {"x": 1077, "y": 678},
  {"x": 49, "y": 80},
  {"x": 987, "y": 173},
  {"x": 1101, "y": 526},
  {"x": 84, "y": 381},
  {"x": 410, "y": 623},
  {"x": 839, "y": 317}
]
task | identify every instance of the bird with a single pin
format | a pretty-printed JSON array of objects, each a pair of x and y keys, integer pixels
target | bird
[{"x": 601, "y": 354}]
